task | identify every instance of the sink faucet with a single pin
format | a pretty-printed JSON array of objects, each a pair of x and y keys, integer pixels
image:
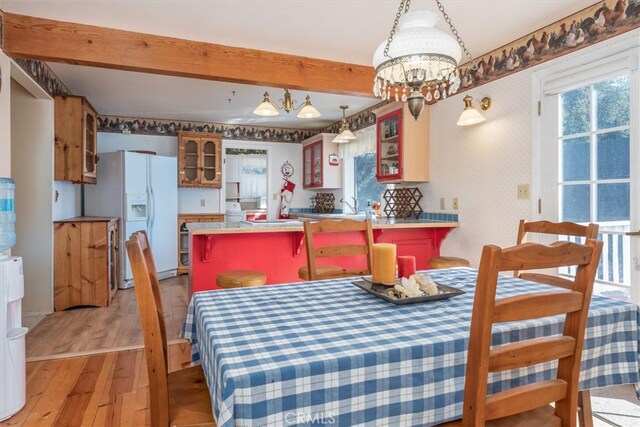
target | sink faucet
[{"x": 353, "y": 207}]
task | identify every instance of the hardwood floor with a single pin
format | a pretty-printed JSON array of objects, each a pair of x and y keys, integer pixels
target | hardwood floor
[
  {"x": 106, "y": 389},
  {"x": 92, "y": 329}
]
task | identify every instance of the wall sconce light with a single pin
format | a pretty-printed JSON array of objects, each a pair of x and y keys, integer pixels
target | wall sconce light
[{"x": 471, "y": 116}]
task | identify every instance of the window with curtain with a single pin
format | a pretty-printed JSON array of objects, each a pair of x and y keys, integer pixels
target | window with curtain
[{"x": 253, "y": 177}]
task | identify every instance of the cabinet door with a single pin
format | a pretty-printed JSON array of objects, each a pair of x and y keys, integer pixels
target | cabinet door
[
  {"x": 189, "y": 167},
  {"x": 389, "y": 147},
  {"x": 210, "y": 162},
  {"x": 306, "y": 154},
  {"x": 233, "y": 168},
  {"x": 317, "y": 164},
  {"x": 67, "y": 276},
  {"x": 89, "y": 142}
]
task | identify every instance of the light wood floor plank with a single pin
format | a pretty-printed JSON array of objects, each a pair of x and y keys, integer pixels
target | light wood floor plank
[{"x": 92, "y": 329}]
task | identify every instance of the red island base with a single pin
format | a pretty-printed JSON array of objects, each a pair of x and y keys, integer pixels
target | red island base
[{"x": 281, "y": 254}]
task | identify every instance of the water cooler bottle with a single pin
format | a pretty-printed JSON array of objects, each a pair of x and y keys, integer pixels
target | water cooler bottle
[{"x": 12, "y": 333}]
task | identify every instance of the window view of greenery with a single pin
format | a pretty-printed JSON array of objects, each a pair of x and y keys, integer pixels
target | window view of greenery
[
  {"x": 595, "y": 170},
  {"x": 594, "y": 144},
  {"x": 367, "y": 188}
]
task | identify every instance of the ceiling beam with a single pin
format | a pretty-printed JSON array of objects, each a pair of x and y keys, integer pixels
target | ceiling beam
[{"x": 58, "y": 41}]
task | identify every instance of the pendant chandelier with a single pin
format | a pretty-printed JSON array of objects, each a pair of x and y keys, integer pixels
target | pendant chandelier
[
  {"x": 344, "y": 134},
  {"x": 269, "y": 109},
  {"x": 418, "y": 62}
]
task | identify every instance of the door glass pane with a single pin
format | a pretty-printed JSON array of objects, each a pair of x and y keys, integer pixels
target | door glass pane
[
  {"x": 613, "y": 155},
  {"x": 613, "y": 202},
  {"x": 576, "y": 159},
  {"x": 191, "y": 160},
  {"x": 576, "y": 203},
  {"x": 90, "y": 143},
  {"x": 612, "y": 99},
  {"x": 575, "y": 111},
  {"x": 209, "y": 161}
]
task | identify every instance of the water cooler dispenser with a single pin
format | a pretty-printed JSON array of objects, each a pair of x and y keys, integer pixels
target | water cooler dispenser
[{"x": 12, "y": 333}]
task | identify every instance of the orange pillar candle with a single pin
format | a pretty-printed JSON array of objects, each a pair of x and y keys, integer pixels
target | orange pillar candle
[
  {"x": 384, "y": 263},
  {"x": 406, "y": 266}
]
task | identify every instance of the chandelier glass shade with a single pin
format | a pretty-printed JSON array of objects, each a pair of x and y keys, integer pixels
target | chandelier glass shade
[
  {"x": 269, "y": 109},
  {"x": 418, "y": 62},
  {"x": 344, "y": 134}
]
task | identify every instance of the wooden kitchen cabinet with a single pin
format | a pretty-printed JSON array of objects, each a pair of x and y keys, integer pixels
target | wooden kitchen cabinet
[
  {"x": 183, "y": 236},
  {"x": 199, "y": 160},
  {"x": 402, "y": 147},
  {"x": 318, "y": 172},
  {"x": 86, "y": 268},
  {"x": 76, "y": 144}
]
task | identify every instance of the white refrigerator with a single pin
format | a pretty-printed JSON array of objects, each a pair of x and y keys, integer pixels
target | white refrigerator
[{"x": 141, "y": 190}]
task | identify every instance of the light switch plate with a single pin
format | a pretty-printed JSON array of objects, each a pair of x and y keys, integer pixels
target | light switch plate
[{"x": 455, "y": 203}]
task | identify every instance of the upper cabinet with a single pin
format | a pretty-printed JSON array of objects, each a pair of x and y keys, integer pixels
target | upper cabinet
[
  {"x": 321, "y": 167},
  {"x": 402, "y": 144},
  {"x": 76, "y": 144},
  {"x": 199, "y": 160}
]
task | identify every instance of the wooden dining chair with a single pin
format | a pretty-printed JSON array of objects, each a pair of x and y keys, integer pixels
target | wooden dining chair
[
  {"x": 179, "y": 398},
  {"x": 585, "y": 416},
  {"x": 314, "y": 271},
  {"x": 528, "y": 404},
  {"x": 558, "y": 229}
]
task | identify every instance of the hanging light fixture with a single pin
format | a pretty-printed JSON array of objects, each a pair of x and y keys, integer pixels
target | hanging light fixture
[
  {"x": 471, "y": 116},
  {"x": 269, "y": 109},
  {"x": 345, "y": 134},
  {"x": 418, "y": 62}
]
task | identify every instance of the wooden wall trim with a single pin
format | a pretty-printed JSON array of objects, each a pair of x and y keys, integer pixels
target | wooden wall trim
[{"x": 59, "y": 41}]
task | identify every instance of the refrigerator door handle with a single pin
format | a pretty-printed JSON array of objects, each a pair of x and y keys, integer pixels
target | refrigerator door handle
[{"x": 152, "y": 204}]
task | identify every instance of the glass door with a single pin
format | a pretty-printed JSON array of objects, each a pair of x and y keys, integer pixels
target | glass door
[
  {"x": 317, "y": 164},
  {"x": 90, "y": 146},
  {"x": 191, "y": 160},
  {"x": 307, "y": 165},
  {"x": 210, "y": 172},
  {"x": 389, "y": 164},
  {"x": 587, "y": 175}
]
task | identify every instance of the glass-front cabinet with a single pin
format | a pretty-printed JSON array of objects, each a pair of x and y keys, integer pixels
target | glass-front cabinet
[
  {"x": 321, "y": 166},
  {"x": 389, "y": 139},
  {"x": 90, "y": 145},
  {"x": 402, "y": 146},
  {"x": 199, "y": 160}
]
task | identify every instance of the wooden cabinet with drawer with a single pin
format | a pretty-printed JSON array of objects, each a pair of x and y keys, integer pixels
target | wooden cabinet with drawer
[
  {"x": 183, "y": 236},
  {"x": 85, "y": 261}
]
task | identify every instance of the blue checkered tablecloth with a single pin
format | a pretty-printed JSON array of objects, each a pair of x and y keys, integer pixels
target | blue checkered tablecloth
[{"x": 327, "y": 352}]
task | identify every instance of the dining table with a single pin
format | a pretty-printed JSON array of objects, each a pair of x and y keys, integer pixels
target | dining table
[{"x": 327, "y": 352}]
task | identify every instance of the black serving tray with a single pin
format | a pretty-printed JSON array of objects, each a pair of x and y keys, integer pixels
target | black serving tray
[{"x": 380, "y": 291}]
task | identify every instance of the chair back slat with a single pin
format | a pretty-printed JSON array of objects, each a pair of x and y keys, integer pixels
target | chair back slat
[
  {"x": 534, "y": 305},
  {"x": 530, "y": 352},
  {"x": 478, "y": 407},
  {"x": 530, "y": 256},
  {"x": 335, "y": 251},
  {"x": 589, "y": 231},
  {"x": 547, "y": 279},
  {"x": 345, "y": 250},
  {"x": 525, "y": 398},
  {"x": 147, "y": 290}
]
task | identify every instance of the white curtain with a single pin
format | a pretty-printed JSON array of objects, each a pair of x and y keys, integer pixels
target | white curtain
[
  {"x": 365, "y": 142},
  {"x": 253, "y": 176}
]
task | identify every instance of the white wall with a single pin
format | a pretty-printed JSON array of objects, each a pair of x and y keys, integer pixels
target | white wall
[
  {"x": 189, "y": 199},
  {"x": 5, "y": 116},
  {"x": 483, "y": 164},
  {"x": 32, "y": 136},
  {"x": 66, "y": 200}
]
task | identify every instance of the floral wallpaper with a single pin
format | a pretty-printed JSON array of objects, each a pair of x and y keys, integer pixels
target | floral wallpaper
[{"x": 42, "y": 74}]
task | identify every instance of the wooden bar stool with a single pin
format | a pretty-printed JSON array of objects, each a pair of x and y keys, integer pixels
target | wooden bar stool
[
  {"x": 447, "y": 262},
  {"x": 241, "y": 279}
]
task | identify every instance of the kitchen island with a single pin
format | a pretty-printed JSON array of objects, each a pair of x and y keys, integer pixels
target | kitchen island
[{"x": 277, "y": 247}]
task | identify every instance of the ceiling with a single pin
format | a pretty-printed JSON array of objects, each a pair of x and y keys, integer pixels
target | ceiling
[{"x": 339, "y": 30}]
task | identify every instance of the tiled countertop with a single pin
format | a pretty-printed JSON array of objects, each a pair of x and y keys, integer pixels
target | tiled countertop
[{"x": 296, "y": 225}]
